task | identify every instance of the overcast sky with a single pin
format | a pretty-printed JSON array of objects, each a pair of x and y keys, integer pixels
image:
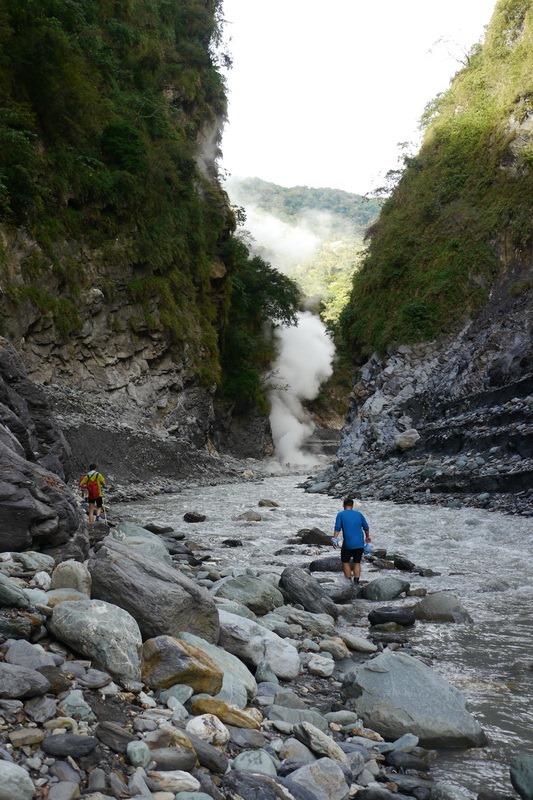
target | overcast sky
[{"x": 322, "y": 91}]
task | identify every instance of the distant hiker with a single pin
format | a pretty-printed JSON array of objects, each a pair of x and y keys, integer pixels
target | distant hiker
[
  {"x": 355, "y": 532},
  {"x": 93, "y": 484}
]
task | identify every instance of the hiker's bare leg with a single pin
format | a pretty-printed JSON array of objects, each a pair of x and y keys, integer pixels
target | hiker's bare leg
[
  {"x": 356, "y": 571},
  {"x": 347, "y": 571},
  {"x": 91, "y": 512}
]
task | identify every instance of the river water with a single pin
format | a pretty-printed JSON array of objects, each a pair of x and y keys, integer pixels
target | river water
[{"x": 491, "y": 661}]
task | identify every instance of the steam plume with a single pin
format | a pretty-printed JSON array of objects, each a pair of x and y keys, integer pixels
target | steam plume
[{"x": 304, "y": 361}]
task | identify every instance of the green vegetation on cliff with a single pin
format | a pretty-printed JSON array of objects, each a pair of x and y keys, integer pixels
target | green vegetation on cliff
[
  {"x": 110, "y": 112},
  {"x": 434, "y": 251}
]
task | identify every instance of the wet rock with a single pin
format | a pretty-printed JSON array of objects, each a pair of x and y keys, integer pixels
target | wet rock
[
  {"x": 327, "y": 564},
  {"x": 521, "y": 771},
  {"x": 299, "y": 587},
  {"x": 194, "y": 516},
  {"x": 167, "y": 661},
  {"x": 401, "y": 616},
  {"x": 313, "y": 536},
  {"x": 403, "y": 761},
  {"x": 396, "y": 691},
  {"x": 384, "y": 589},
  {"x": 248, "y": 516},
  {"x": 105, "y": 633},
  {"x": 231, "y": 543},
  {"x": 441, "y": 607},
  {"x": 163, "y": 600},
  {"x": 402, "y": 563},
  {"x": 446, "y": 791}
]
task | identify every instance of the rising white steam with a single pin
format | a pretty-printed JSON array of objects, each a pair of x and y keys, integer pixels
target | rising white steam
[{"x": 304, "y": 362}]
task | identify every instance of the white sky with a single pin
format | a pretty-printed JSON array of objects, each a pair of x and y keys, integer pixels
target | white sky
[{"x": 322, "y": 91}]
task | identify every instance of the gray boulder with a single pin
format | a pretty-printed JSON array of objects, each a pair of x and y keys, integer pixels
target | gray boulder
[
  {"x": 384, "y": 589},
  {"x": 105, "y": 633},
  {"x": 142, "y": 539},
  {"x": 327, "y": 564},
  {"x": 163, "y": 600},
  {"x": 299, "y": 587},
  {"x": 17, "y": 682},
  {"x": 314, "y": 536},
  {"x": 395, "y": 694},
  {"x": 32, "y": 656},
  {"x": 521, "y": 769},
  {"x": 257, "y": 595},
  {"x": 441, "y": 607},
  {"x": 253, "y": 643},
  {"x": 15, "y": 783},
  {"x": 71, "y": 574}
]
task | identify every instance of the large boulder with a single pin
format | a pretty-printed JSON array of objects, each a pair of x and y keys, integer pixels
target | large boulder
[
  {"x": 441, "y": 607},
  {"x": 299, "y": 587},
  {"x": 257, "y": 595},
  {"x": 161, "y": 599},
  {"x": 326, "y": 564},
  {"x": 396, "y": 693},
  {"x": 105, "y": 633},
  {"x": 253, "y": 643}
]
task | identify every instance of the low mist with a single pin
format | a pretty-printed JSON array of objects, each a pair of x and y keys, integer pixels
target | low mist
[{"x": 304, "y": 362}]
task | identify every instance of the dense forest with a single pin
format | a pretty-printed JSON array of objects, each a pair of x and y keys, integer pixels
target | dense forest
[
  {"x": 435, "y": 250},
  {"x": 110, "y": 117}
]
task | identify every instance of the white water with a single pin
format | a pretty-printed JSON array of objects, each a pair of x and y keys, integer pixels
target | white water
[{"x": 487, "y": 660}]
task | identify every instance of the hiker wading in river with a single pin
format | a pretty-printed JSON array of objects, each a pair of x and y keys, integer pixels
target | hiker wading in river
[
  {"x": 92, "y": 485},
  {"x": 355, "y": 533}
]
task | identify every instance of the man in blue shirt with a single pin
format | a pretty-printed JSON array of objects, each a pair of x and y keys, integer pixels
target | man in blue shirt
[{"x": 355, "y": 532}]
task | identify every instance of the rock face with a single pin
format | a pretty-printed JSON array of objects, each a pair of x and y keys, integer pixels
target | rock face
[
  {"x": 450, "y": 418},
  {"x": 396, "y": 694},
  {"x": 159, "y": 597},
  {"x": 36, "y": 507}
]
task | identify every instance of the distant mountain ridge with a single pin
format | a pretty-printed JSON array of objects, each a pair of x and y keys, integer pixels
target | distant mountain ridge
[{"x": 351, "y": 213}]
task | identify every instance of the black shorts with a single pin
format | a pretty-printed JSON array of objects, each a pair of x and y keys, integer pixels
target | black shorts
[
  {"x": 356, "y": 553},
  {"x": 99, "y": 502}
]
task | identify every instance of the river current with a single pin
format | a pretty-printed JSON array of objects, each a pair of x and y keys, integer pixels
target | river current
[{"x": 491, "y": 661}]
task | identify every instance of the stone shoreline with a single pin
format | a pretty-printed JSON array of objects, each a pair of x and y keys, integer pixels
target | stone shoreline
[{"x": 131, "y": 666}]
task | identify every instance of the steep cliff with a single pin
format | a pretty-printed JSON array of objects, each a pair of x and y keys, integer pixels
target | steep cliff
[
  {"x": 120, "y": 270},
  {"x": 442, "y": 409}
]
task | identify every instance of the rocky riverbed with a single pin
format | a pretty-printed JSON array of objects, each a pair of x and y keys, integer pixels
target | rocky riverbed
[{"x": 133, "y": 665}]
